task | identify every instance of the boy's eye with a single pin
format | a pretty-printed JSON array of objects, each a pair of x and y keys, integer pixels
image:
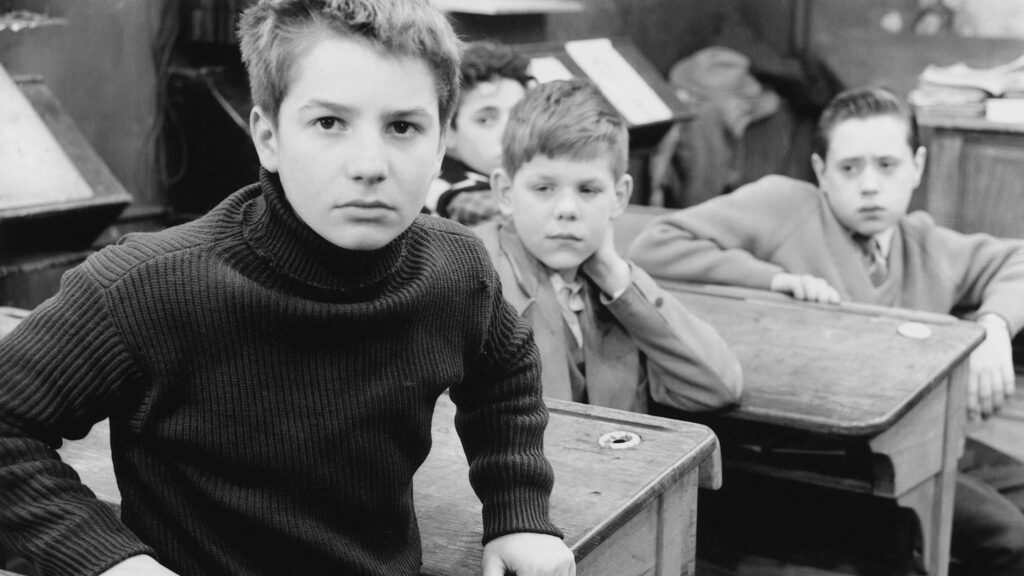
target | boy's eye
[
  {"x": 486, "y": 120},
  {"x": 403, "y": 128},
  {"x": 590, "y": 190},
  {"x": 328, "y": 122}
]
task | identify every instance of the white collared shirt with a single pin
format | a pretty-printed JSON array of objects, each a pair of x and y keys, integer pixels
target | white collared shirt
[{"x": 570, "y": 299}]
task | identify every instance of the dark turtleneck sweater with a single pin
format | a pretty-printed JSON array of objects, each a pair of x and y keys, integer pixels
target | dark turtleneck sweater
[{"x": 270, "y": 397}]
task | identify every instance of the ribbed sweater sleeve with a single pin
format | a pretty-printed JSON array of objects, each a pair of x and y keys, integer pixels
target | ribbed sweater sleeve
[
  {"x": 62, "y": 367},
  {"x": 501, "y": 419}
]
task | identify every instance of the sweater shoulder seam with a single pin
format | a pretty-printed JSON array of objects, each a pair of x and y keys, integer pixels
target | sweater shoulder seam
[{"x": 142, "y": 262}]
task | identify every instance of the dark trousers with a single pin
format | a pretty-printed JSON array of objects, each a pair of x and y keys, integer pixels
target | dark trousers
[{"x": 988, "y": 514}]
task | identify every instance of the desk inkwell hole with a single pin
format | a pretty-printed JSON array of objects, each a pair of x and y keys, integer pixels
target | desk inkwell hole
[{"x": 619, "y": 440}]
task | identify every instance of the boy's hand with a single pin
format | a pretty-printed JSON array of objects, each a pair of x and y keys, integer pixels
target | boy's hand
[
  {"x": 141, "y": 565},
  {"x": 805, "y": 287},
  {"x": 471, "y": 208},
  {"x": 992, "y": 379},
  {"x": 528, "y": 554},
  {"x": 607, "y": 269}
]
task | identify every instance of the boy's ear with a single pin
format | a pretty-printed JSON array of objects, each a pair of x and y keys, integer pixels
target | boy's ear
[
  {"x": 264, "y": 136},
  {"x": 818, "y": 163},
  {"x": 501, "y": 184},
  {"x": 920, "y": 156},
  {"x": 448, "y": 139},
  {"x": 441, "y": 149},
  {"x": 623, "y": 190}
]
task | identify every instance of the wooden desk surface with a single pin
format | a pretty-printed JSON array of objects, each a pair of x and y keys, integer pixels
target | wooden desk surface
[
  {"x": 836, "y": 370},
  {"x": 9, "y": 318},
  {"x": 597, "y": 489}
]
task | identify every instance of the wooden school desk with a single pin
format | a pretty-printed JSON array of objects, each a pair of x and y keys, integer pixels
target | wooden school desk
[
  {"x": 624, "y": 510},
  {"x": 836, "y": 396}
]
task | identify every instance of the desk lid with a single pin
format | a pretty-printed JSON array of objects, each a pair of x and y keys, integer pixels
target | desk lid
[{"x": 55, "y": 191}]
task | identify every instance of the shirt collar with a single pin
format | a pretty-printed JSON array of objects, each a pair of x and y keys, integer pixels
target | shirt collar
[
  {"x": 574, "y": 302},
  {"x": 884, "y": 239}
]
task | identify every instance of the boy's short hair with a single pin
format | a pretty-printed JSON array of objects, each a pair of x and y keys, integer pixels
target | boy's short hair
[
  {"x": 863, "y": 103},
  {"x": 272, "y": 33},
  {"x": 565, "y": 118},
  {"x": 483, "y": 61}
]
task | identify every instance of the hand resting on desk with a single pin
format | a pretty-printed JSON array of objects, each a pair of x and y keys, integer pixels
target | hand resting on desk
[
  {"x": 528, "y": 554},
  {"x": 141, "y": 565},
  {"x": 992, "y": 379},
  {"x": 805, "y": 287}
]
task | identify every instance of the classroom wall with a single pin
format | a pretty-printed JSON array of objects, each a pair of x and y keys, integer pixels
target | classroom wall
[{"x": 102, "y": 68}]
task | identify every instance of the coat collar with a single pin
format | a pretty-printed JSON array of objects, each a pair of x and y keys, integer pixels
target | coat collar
[{"x": 526, "y": 269}]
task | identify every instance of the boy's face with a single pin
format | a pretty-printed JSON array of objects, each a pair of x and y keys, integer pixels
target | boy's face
[
  {"x": 563, "y": 208},
  {"x": 357, "y": 140},
  {"x": 870, "y": 173},
  {"x": 475, "y": 137}
]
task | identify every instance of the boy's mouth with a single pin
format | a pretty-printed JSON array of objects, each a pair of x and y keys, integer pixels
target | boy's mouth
[
  {"x": 367, "y": 205},
  {"x": 564, "y": 236}
]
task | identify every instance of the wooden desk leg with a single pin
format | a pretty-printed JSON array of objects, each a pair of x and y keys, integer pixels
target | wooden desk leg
[
  {"x": 677, "y": 529},
  {"x": 932, "y": 500}
]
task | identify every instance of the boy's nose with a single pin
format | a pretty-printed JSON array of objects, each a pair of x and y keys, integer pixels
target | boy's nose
[
  {"x": 567, "y": 206},
  {"x": 869, "y": 182},
  {"x": 366, "y": 163}
]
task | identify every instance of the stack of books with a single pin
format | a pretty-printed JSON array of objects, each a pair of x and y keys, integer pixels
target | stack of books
[{"x": 996, "y": 93}]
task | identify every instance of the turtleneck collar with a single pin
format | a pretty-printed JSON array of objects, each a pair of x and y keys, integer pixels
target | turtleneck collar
[{"x": 294, "y": 249}]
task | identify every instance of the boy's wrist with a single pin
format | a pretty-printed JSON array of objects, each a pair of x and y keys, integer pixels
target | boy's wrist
[
  {"x": 992, "y": 321},
  {"x": 779, "y": 282},
  {"x": 612, "y": 276}
]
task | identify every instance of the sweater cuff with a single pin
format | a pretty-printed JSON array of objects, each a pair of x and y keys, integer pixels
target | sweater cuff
[
  {"x": 526, "y": 510},
  {"x": 91, "y": 550},
  {"x": 987, "y": 319},
  {"x": 988, "y": 309}
]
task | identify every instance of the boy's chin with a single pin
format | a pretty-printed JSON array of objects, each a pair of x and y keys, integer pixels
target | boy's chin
[
  {"x": 565, "y": 266},
  {"x": 872, "y": 228},
  {"x": 364, "y": 240}
]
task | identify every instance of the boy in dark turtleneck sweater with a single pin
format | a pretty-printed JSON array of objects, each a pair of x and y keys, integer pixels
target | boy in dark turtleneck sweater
[{"x": 270, "y": 370}]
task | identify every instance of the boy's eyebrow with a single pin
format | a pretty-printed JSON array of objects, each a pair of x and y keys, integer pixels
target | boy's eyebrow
[
  {"x": 406, "y": 112},
  {"x": 342, "y": 109},
  {"x": 332, "y": 106}
]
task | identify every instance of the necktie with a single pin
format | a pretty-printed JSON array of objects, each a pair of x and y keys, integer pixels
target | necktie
[
  {"x": 570, "y": 300},
  {"x": 874, "y": 260}
]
